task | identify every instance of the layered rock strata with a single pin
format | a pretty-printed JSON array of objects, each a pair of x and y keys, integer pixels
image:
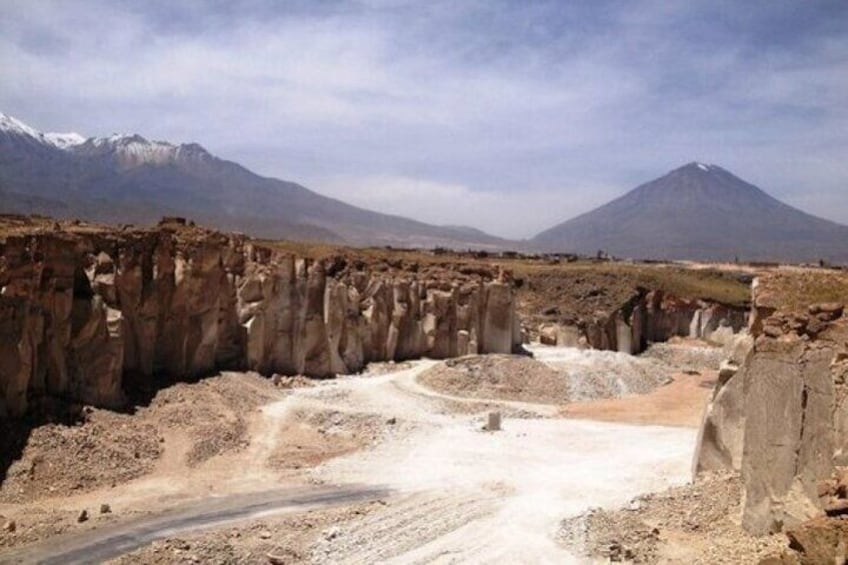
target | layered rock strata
[{"x": 86, "y": 315}]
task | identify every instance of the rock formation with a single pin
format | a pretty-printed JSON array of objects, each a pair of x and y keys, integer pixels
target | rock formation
[
  {"x": 721, "y": 436},
  {"x": 779, "y": 413},
  {"x": 88, "y": 314},
  {"x": 648, "y": 317}
]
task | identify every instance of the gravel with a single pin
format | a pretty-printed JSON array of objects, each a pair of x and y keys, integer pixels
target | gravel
[{"x": 689, "y": 524}]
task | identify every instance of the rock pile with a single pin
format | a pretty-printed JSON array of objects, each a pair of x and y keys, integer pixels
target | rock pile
[{"x": 86, "y": 314}]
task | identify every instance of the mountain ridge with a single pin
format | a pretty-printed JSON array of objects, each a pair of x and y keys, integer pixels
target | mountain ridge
[{"x": 128, "y": 178}]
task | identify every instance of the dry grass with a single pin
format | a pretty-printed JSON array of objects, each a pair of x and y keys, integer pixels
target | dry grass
[
  {"x": 794, "y": 291},
  {"x": 620, "y": 279}
]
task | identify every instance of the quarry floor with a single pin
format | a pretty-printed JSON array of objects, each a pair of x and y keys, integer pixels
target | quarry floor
[{"x": 435, "y": 486}]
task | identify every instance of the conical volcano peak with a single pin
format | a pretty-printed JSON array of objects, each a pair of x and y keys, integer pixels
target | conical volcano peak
[
  {"x": 707, "y": 180},
  {"x": 699, "y": 167},
  {"x": 699, "y": 211}
]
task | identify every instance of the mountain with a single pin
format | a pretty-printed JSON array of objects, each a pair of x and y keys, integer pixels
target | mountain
[
  {"x": 127, "y": 178},
  {"x": 700, "y": 212}
]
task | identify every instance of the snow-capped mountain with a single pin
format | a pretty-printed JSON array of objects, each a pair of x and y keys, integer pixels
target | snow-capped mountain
[
  {"x": 126, "y": 150},
  {"x": 64, "y": 140},
  {"x": 133, "y": 150},
  {"x": 128, "y": 178},
  {"x": 12, "y": 127}
]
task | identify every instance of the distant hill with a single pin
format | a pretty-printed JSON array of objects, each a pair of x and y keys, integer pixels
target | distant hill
[
  {"x": 700, "y": 212},
  {"x": 127, "y": 178}
]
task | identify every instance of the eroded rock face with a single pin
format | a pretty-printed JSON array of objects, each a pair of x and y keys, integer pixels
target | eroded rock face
[
  {"x": 87, "y": 315},
  {"x": 779, "y": 414},
  {"x": 721, "y": 437},
  {"x": 789, "y": 433},
  {"x": 815, "y": 542},
  {"x": 649, "y": 318}
]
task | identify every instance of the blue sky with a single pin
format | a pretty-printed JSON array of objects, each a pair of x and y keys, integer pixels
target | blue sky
[{"x": 507, "y": 116}]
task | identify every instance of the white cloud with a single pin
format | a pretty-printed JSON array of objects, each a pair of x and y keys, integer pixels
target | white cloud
[
  {"x": 515, "y": 215},
  {"x": 442, "y": 110}
]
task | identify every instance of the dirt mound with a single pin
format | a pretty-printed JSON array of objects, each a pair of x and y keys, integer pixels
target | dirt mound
[
  {"x": 108, "y": 448},
  {"x": 554, "y": 375},
  {"x": 311, "y": 437},
  {"x": 687, "y": 354},
  {"x": 213, "y": 412},
  {"x": 679, "y": 403},
  {"x": 503, "y": 377},
  {"x": 104, "y": 448},
  {"x": 592, "y": 374},
  {"x": 689, "y": 524}
]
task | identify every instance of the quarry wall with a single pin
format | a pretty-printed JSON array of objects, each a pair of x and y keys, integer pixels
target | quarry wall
[
  {"x": 649, "y": 317},
  {"x": 87, "y": 316},
  {"x": 779, "y": 413}
]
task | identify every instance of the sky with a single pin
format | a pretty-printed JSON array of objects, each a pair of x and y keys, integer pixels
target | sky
[{"x": 508, "y": 116}]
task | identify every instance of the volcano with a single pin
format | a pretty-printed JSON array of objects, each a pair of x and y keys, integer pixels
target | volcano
[{"x": 700, "y": 212}]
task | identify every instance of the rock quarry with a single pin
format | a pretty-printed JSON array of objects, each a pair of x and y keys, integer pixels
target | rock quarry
[
  {"x": 87, "y": 315},
  {"x": 649, "y": 316},
  {"x": 778, "y": 413}
]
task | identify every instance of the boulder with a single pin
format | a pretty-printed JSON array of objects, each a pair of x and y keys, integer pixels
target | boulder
[
  {"x": 828, "y": 311},
  {"x": 822, "y": 540},
  {"x": 548, "y": 334}
]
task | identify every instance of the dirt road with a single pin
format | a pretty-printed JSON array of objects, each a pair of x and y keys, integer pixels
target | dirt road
[
  {"x": 476, "y": 497},
  {"x": 111, "y": 541},
  {"x": 458, "y": 493}
]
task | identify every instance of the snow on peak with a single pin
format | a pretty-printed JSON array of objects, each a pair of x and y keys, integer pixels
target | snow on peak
[
  {"x": 64, "y": 140},
  {"x": 60, "y": 140},
  {"x": 14, "y": 125},
  {"x": 132, "y": 150},
  {"x": 702, "y": 166},
  {"x": 118, "y": 139},
  {"x": 129, "y": 149}
]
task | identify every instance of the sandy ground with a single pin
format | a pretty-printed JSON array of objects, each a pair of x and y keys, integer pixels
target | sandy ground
[
  {"x": 460, "y": 494},
  {"x": 510, "y": 489},
  {"x": 696, "y": 524},
  {"x": 679, "y": 403}
]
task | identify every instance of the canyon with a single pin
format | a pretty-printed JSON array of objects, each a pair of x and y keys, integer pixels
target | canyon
[
  {"x": 649, "y": 317},
  {"x": 88, "y": 314},
  {"x": 184, "y": 342}
]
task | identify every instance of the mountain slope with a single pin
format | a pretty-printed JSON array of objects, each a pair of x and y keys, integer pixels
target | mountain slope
[
  {"x": 700, "y": 212},
  {"x": 127, "y": 178}
]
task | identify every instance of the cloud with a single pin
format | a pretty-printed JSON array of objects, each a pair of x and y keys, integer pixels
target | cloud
[
  {"x": 515, "y": 215},
  {"x": 491, "y": 106}
]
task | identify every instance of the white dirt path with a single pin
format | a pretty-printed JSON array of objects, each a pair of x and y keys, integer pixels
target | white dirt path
[
  {"x": 459, "y": 494},
  {"x": 511, "y": 488}
]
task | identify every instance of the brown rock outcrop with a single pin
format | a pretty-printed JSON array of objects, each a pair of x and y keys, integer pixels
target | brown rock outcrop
[
  {"x": 815, "y": 542},
  {"x": 87, "y": 315}
]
